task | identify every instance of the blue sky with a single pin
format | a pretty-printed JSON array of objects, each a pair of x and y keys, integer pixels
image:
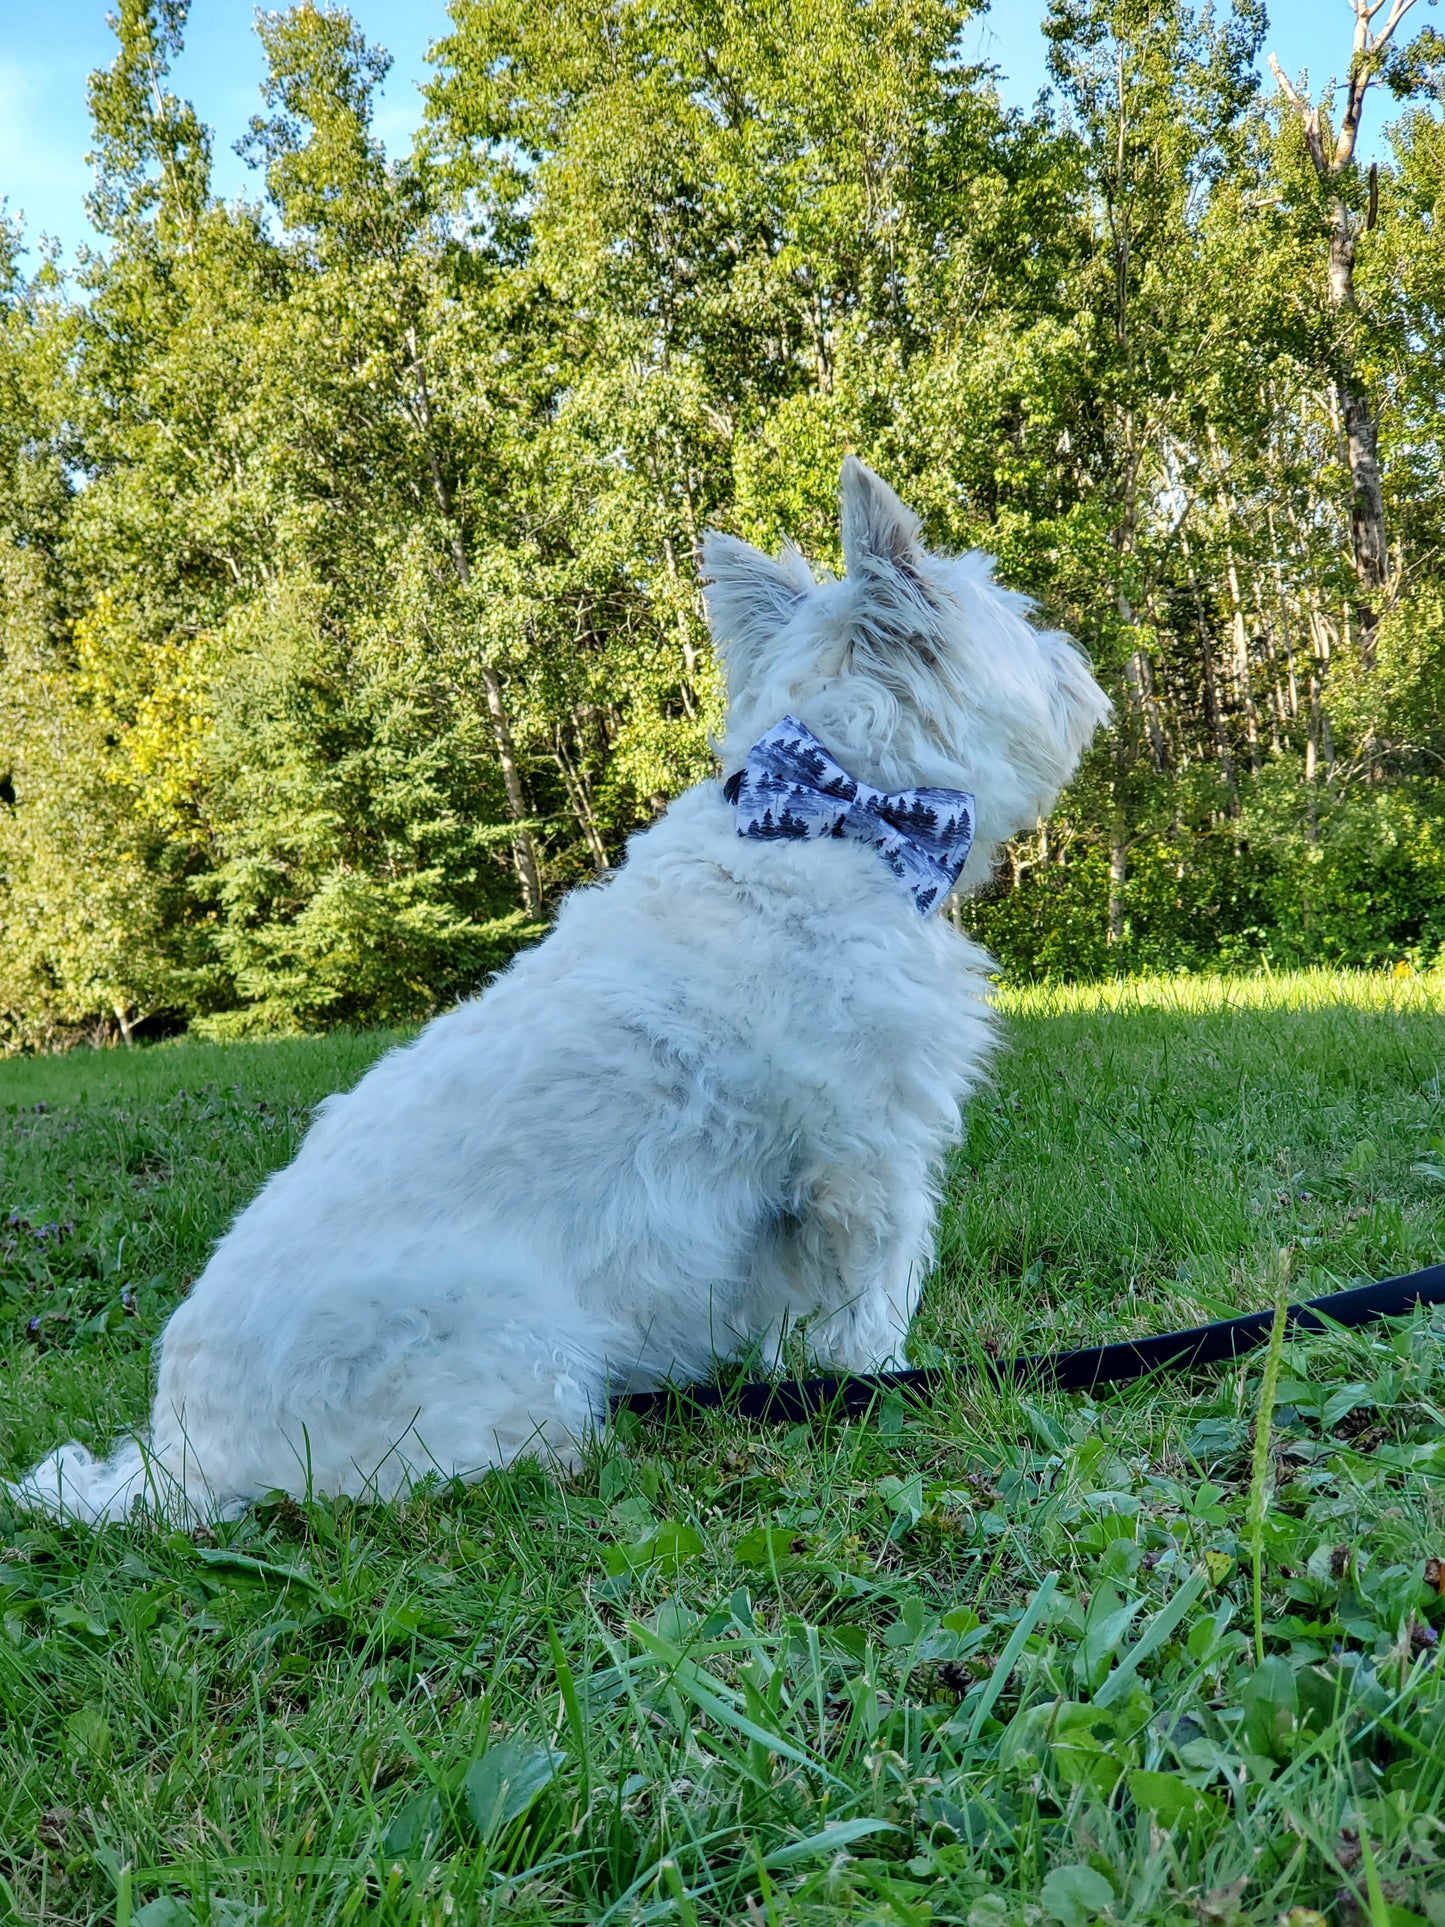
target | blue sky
[{"x": 48, "y": 47}]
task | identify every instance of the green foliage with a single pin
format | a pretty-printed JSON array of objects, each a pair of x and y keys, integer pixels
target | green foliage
[
  {"x": 1353, "y": 878},
  {"x": 988, "y": 1661},
  {"x": 354, "y": 800},
  {"x": 347, "y": 591}
]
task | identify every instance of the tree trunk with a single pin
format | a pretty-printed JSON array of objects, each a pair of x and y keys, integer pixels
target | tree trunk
[
  {"x": 1278, "y": 710},
  {"x": 1320, "y": 631},
  {"x": 1285, "y": 625},
  {"x": 1368, "y": 539},
  {"x": 1213, "y": 713},
  {"x": 1141, "y": 681},
  {"x": 1368, "y": 536},
  {"x": 1118, "y": 870},
  {"x": 688, "y": 682},
  {"x": 1367, "y": 511},
  {"x": 1312, "y": 756},
  {"x": 1321, "y": 742},
  {"x": 1243, "y": 668},
  {"x": 524, "y": 849},
  {"x": 577, "y": 793},
  {"x": 1238, "y": 628}
]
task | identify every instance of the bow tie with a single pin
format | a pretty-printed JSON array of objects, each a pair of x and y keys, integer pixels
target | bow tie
[{"x": 791, "y": 787}]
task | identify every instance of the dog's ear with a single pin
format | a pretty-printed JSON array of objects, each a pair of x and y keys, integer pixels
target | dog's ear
[
  {"x": 879, "y": 533},
  {"x": 1079, "y": 704},
  {"x": 896, "y": 614},
  {"x": 749, "y": 595}
]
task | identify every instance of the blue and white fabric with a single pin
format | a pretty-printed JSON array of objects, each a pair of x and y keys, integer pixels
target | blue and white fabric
[{"x": 790, "y": 786}]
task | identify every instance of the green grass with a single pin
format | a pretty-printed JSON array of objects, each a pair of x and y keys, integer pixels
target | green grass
[{"x": 992, "y": 1662}]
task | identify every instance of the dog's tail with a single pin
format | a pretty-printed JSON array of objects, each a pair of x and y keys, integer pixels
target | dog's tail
[{"x": 72, "y": 1484}]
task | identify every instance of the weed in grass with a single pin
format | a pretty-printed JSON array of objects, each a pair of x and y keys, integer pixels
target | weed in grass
[
  {"x": 1261, "y": 1484},
  {"x": 993, "y": 1661}
]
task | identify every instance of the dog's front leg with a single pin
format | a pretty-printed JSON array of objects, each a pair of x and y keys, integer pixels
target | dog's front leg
[
  {"x": 848, "y": 1263},
  {"x": 851, "y": 1263},
  {"x": 879, "y": 1267}
]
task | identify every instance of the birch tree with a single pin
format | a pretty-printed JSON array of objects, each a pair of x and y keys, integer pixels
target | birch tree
[{"x": 1350, "y": 207}]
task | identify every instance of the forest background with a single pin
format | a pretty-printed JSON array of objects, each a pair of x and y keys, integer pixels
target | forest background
[{"x": 348, "y": 611}]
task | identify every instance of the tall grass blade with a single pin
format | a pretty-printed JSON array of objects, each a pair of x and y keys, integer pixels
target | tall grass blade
[{"x": 1008, "y": 1658}]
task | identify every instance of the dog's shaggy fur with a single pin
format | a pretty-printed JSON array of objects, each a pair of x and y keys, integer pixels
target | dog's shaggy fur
[{"x": 714, "y": 1102}]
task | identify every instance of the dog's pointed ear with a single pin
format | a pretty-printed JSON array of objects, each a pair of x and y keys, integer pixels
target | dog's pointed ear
[
  {"x": 879, "y": 532},
  {"x": 749, "y": 595}
]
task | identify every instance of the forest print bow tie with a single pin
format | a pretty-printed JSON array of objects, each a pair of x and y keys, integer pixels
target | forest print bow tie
[{"x": 791, "y": 787}]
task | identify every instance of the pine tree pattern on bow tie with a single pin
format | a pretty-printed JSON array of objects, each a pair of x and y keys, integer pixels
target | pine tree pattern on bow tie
[{"x": 791, "y": 787}]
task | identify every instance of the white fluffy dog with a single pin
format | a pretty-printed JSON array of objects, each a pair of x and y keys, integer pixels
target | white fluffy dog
[{"x": 713, "y": 1103}]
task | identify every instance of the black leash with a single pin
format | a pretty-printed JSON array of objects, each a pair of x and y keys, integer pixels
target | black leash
[{"x": 1078, "y": 1371}]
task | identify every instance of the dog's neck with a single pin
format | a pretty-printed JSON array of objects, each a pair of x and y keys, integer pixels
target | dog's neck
[{"x": 791, "y": 787}]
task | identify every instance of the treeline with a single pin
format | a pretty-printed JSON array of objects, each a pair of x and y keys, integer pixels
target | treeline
[{"x": 347, "y": 604}]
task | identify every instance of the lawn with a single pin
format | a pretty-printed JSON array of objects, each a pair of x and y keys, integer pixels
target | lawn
[{"x": 998, "y": 1660}]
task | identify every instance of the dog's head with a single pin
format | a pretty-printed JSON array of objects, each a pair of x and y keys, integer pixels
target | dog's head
[{"x": 914, "y": 669}]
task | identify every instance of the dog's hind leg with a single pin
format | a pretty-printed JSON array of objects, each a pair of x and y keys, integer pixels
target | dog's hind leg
[{"x": 544, "y": 1401}]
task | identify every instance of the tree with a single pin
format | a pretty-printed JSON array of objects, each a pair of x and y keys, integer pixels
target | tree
[
  {"x": 371, "y": 228},
  {"x": 1350, "y": 207},
  {"x": 347, "y": 599}
]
